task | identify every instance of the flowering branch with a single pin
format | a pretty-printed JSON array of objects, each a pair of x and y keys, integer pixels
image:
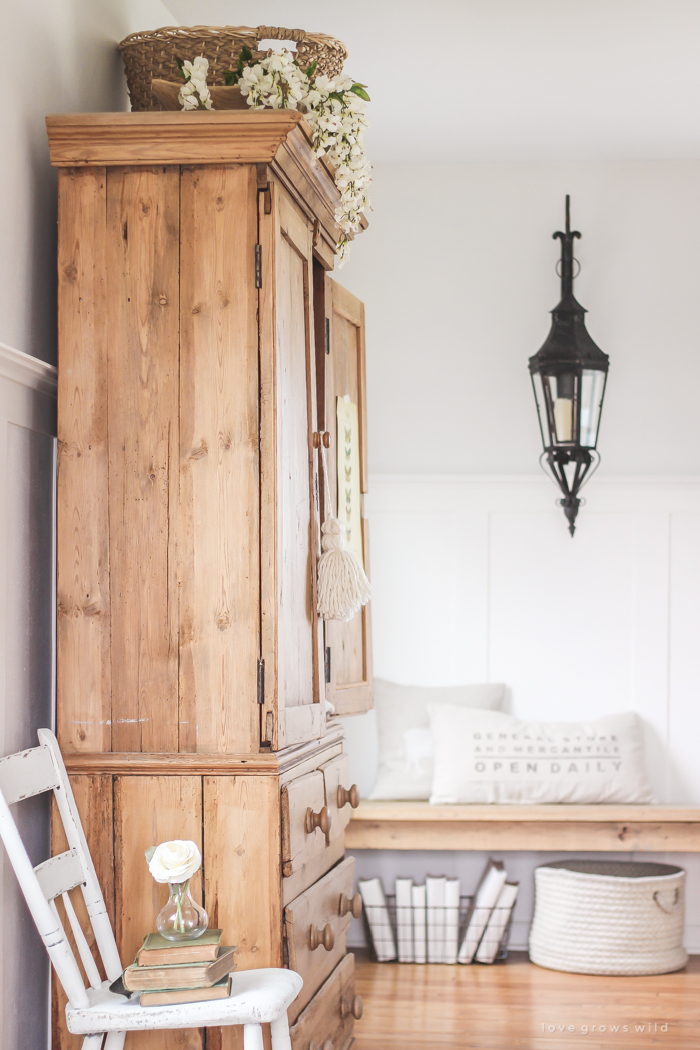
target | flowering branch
[
  {"x": 334, "y": 107},
  {"x": 194, "y": 93}
]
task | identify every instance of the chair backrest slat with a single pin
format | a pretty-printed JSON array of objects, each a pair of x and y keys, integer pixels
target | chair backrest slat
[
  {"x": 93, "y": 974},
  {"x": 43, "y": 913},
  {"x": 59, "y": 874},
  {"x": 27, "y": 773},
  {"x": 21, "y": 776},
  {"x": 94, "y": 901}
]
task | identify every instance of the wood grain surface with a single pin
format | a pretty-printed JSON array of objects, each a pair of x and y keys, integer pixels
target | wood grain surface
[
  {"x": 341, "y": 371},
  {"x": 147, "y": 811},
  {"x": 318, "y": 907},
  {"x": 289, "y": 764},
  {"x": 418, "y": 825},
  {"x": 242, "y": 875},
  {"x": 84, "y": 688},
  {"x": 513, "y": 1006},
  {"x": 289, "y": 516},
  {"x": 321, "y": 1020},
  {"x": 219, "y": 551},
  {"x": 280, "y": 138},
  {"x": 143, "y": 207}
]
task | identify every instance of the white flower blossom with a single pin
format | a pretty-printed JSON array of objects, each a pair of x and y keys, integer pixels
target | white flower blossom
[
  {"x": 174, "y": 861},
  {"x": 194, "y": 93},
  {"x": 338, "y": 125}
]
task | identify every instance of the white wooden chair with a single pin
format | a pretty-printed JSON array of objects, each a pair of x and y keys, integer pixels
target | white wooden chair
[{"x": 257, "y": 996}]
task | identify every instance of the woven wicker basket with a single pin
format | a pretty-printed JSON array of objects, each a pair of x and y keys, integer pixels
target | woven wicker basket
[
  {"x": 608, "y": 917},
  {"x": 154, "y": 54}
]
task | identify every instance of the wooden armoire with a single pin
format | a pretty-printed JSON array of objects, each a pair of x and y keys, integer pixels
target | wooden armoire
[{"x": 202, "y": 347}]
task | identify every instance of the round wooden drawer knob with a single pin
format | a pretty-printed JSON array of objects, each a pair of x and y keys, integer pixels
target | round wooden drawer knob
[
  {"x": 350, "y": 904},
  {"x": 321, "y": 937},
  {"x": 352, "y": 796},
  {"x": 351, "y": 1006},
  {"x": 320, "y": 820}
]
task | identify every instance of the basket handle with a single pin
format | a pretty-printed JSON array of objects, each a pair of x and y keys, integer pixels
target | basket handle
[
  {"x": 274, "y": 33},
  {"x": 676, "y": 899}
]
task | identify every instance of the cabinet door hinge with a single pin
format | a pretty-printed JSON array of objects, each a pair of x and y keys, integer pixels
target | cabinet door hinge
[
  {"x": 328, "y": 335},
  {"x": 258, "y": 266},
  {"x": 261, "y": 681},
  {"x": 327, "y": 663}
]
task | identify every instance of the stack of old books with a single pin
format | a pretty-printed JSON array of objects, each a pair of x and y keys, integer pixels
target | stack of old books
[{"x": 180, "y": 971}]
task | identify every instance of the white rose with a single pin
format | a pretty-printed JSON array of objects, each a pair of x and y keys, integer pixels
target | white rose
[{"x": 174, "y": 861}]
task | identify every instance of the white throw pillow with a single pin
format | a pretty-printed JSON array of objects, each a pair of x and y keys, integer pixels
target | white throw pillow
[
  {"x": 486, "y": 756},
  {"x": 405, "y": 741}
]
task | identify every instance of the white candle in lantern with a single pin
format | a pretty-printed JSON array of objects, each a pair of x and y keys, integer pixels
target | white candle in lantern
[{"x": 563, "y": 417}]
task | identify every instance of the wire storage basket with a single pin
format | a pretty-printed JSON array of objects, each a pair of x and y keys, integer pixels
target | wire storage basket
[
  {"x": 154, "y": 55},
  {"x": 402, "y": 933}
]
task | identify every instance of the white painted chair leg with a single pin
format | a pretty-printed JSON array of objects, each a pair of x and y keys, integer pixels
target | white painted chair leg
[
  {"x": 252, "y": 1037},
  {"x": 279, "y": 1031},
  {"x": 115, "y": 1041},
  {"x": 93, "y": 1042}
]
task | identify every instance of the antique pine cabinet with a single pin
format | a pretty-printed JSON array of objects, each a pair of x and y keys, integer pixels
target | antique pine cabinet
[{"x": 192, "y": 667}]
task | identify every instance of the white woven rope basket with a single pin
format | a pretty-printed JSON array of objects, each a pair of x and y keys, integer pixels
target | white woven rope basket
[{"x": 609, "y": 917}]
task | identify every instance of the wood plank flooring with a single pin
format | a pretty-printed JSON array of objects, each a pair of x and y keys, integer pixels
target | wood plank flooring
[{"x": 515, "y": 1005}]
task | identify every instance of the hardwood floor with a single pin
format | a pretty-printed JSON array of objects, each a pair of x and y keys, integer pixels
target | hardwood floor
[{"x": 514, "y": 1005}]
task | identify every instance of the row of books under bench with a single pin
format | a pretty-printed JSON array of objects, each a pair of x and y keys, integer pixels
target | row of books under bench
[{"x": 434, "y": 923}]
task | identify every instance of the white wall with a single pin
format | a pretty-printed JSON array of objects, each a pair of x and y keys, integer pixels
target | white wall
[
  {"x": 62, "y": 58},
  {"x": 457, "y": 274},
  {"x": 475, "y": 576},
  {"x": 27, "y": 429},
  {"x": 477, "y": 579}
]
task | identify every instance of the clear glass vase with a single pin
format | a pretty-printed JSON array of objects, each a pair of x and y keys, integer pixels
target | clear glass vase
[{"x": 182, "y": 919}]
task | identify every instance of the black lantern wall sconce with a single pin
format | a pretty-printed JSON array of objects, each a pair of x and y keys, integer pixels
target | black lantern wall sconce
[{"x": 568, "y": 376}]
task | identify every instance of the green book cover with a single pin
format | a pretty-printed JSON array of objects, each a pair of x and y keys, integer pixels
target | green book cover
[{"x": 156, "y": 941}]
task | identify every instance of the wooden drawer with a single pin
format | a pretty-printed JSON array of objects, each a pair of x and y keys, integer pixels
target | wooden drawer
[
  {"x": 336, "y": 777},
  {"x": 307, "y": 852},
  {"x": 316, "y": 930},
  {"x": 331, "y": 1014}
]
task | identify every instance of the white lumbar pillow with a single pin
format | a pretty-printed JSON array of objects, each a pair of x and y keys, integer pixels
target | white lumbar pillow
[
  {"x": 487, "y": 756},
  {"x": 405, "y": 741}
]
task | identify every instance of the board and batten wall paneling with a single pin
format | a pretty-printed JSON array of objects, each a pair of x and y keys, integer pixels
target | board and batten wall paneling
[
  {"x": 476, "y": 579},
  {"x": 27, "y": 660},
  {"x": 498, "y": 591}
]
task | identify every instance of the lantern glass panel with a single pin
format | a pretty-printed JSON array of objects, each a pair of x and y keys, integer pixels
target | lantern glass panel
[
  {"x": 592, "y": 387},
  {"x": 562, "y": 389},
  {"x": 541, "y": 407}
]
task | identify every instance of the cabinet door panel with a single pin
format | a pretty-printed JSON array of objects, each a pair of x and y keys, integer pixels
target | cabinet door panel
[
  {"x": 218, "y": 550},
  {"x": 293, "y": 710},
  {"x": 83, "y": 679},
  {"x": 147, "y": 811},
  {"x": 143, "y": 208},
  {"x": 340, "y": 361}
]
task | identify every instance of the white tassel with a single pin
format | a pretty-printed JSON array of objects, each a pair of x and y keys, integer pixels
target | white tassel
[{"x": 343, "y": 587}]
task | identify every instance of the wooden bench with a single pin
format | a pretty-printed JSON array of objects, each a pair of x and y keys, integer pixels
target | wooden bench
[{"x": 624, "y": 829}]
